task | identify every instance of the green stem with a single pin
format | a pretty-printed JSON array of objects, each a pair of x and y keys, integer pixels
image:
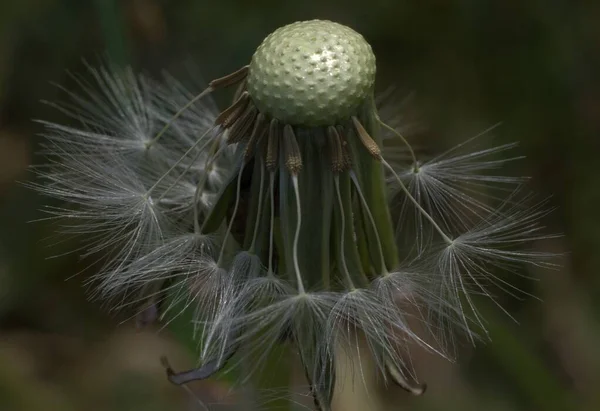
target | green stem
[
  {"x": 112, "y": 25},
  {"x": 371, "y": 179},
  {"x": 346, "y": 252}
]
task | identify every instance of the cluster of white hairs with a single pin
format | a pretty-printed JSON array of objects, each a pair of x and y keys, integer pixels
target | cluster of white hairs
[{"x": 274, "y": 234}]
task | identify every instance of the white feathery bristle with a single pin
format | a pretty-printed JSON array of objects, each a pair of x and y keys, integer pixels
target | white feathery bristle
[
  {"x": 477, "y": 261},
  {"x": 380, "y": 321},
  {"x": 461, "y": 222},
  {"x": 177, "y": 260},
  {"x": 455, "y": 188},
  {"x": 132, "y": 183},
  {"x": 113, "y": 210},
  {"x": 264, "y": 312}
]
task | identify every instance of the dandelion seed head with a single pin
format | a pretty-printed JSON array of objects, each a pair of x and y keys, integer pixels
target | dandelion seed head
[{"x": 294, "y": 216}]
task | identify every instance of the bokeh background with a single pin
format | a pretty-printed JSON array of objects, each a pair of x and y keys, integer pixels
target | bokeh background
[{"x": 462, "y": 65}]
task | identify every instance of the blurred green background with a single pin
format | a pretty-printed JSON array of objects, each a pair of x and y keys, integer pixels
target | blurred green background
[{"x": 466, "y": 64}]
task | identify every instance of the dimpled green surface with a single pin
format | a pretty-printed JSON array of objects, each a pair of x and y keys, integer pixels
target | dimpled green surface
[{"x": 311, "y": 73}]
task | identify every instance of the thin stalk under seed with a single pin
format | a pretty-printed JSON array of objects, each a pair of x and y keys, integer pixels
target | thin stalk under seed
[
  {"x": 200, "y": 152},
  {"x": 371, "y": 220},
  {"x": 182, "y": 110},
  {"x": 301, "y": 289},
  {"x": 425, "y": 214},
  {"x": 351, "y": 286},
  {"x": 404, "y": 141},
  {"x": 174, "y": 166}
]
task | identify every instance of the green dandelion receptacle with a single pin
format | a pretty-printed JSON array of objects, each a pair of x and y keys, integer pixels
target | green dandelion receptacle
[
  {"x": 312, "y": 73},
  {"x": 280, "y": 219}
]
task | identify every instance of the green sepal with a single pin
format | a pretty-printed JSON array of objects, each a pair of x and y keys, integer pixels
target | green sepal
[
  {"x": 371, "y": 179},
  {"x": 287, "y": 220},
  {"x": 315, "y": 186},
  {"x": 278, "y": 244},
  {"x": 360, "y": 221},
  {"x": 349, "y": 253},
  {"x": 262, "y": 240},
  {"x": 219, "y": 211}
]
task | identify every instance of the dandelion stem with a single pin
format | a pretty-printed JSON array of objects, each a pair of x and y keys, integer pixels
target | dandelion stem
[
  {"x": 112, "y": 23},
  {"x": 371, "y": 220},
  {"x": 444, "y": 236},
  {"x": 336, "y": 180},
  {"x": 235, "y": 208},
  {"x": 406, "y": 143},
  {"x": 297, "y": 235}
]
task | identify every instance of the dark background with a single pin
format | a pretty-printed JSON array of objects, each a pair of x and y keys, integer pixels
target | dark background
[{"x": 463, "y": 65}]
